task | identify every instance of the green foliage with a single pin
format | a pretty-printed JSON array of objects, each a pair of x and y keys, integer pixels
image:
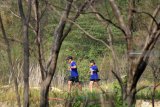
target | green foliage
[
  {"x": 147, "y": 94},
  {"x": 117, "y": 94},
  {"x": 77, "y": 97},
  {"x": 76, "y": 44},
  {"x": 4, "y": 66}
]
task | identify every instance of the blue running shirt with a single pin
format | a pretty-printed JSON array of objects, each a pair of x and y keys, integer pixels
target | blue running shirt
[
  {"x": 74, "y": 72},
  {"x": 94, "y": 74}
]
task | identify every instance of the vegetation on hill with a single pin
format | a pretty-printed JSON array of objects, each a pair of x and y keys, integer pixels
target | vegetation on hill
[{"x": 95, "y": 31}]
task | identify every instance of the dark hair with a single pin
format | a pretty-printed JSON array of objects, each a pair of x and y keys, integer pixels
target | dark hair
[
  {"x": 69, "y": 57},
  {"x": 92, "y": 61}
]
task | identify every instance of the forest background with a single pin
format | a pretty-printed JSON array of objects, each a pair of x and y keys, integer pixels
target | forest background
[{"x": 94, "y": 32}]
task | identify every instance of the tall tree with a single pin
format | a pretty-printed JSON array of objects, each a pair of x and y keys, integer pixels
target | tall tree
[
  {"x": 62, "y": 30},
  {"x": 10, "y": 61},
  {"x": 136, "y": 66},
  {"x": 25, "y": 23}
]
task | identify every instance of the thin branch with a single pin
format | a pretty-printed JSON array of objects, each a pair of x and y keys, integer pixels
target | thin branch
[
  {"x": 155, "y": 13},
  {"x": 118, "y": 78},
  {"x": 144, "y": 87},
  {"x": 29, "y": 11},
  {"x": 59, "y": 8},
  {"x": 30, "y": 25},
  {"x": 44, "y": 10},
  {"x": 107, "y": 20},
  {"x": 62, "y": 23},
  {"x": 21, "y": 12},
  {"x": 119, "y": 18},
  {"x": 14, "y": 14},
  {"x": 98, "y": 17},
  {"x": 152, "y": 17},
  {"x": 38, "y": 38},
  {"x": 89, "y": 35},
  {"x": 141, "y": 88},
  {"x": 131, "y": 6},
  {"x": 81, "y": 9},
  {"x": 14, "y": 40},
  {"x": 157, "y": 85},
  {"x": 53, "y": 8}
]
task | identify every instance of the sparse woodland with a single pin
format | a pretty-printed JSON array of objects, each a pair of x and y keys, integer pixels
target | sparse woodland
[{"x": 36, "y": 36}]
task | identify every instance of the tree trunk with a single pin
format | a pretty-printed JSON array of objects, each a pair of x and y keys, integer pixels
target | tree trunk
[
  {"x": 60, "y": 33},
  {"x": 44, "y": 94},
  {"x": 130, "y": 100},
  {"x": 26, "y": 66},
  {"x": 25, "y": 21},
  {"x": 129, "y": 97},
  {"x": 46, "y": 83},
  {"x": 45, "y": 89}
]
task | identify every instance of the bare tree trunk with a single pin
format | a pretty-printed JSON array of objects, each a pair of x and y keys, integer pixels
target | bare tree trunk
[
  {"x": 136, "y": 68},
  {"x": 25, "y": 22},
  {"x": 44, "y": 93},
  {"x": 26, "y": 67},
  {"x": 10, "y": 63},
  {"x": 60, "y": 33},
  {"x": 44, "y": 96},
  {"x": 46, "y": 83},
  {"x": 54, "y": 56},
  {"x": 129, "y": 100}
]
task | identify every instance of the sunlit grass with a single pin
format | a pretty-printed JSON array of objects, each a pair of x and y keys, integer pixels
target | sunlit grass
[{"x": 59, "y": 97}]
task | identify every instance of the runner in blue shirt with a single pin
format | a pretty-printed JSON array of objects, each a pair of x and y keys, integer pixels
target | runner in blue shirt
[
  {"x": 74, "y": 77},
  {"x": 94, "y": 78}
]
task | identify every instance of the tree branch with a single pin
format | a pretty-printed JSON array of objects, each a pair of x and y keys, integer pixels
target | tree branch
[
  {"x": 118, "y": 78},
  {"x": 127, "y": 34},
  {"x": 143, "y": 59},
  {"x": 20, "y": 18},
  {"x": 152, "y": 17},
  {"x": 62, "y": 23},
  {"x": 43, "y": 10},
  {"x": 89, "y": 35},
  {"x": 141, "y": 88},
  {"x": 155, "y": 13},
  {"x": 157, "y": 85},
  {"x": 130, "y": 13},
  {"x": 119, "y": 18},
  {"x": 58, "y": 33},
  {"x": 20, "y": 7},
  {"x": 29, "y": 11},
  {"x": 107, "y": 20},
  {"x": 38, "y": 38},
  {"x": 81, "y": 9},
  {"x": 53, "y": 6}
]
